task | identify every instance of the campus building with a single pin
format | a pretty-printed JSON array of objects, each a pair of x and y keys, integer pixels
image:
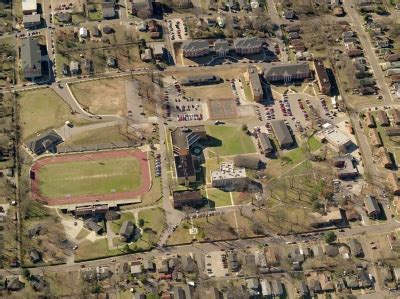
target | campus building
[
  {"x": 282, "y": 134},
  {"x": 195, "y": 48},
  {"x": 229, "y": 177},
  {"x": 322, "y": 77},
  {"x": 187, "y": 198},
  {"x": 394, "y": 183},
  {"x": 221, "y": 47},
  {"x": 31, "y": 58},
  {"x": 286, "y": 72},
  {"x": 338, "y": 140},
  {"x": 247, "y": 45},
  {"x": 29, "y": 7},
  {"x": 265, "y": 144},
  {"x": 254, "y": 82},
  {"x": 184, "y": 138}
]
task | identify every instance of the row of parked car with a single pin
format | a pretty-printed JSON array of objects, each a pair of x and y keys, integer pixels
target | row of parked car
[{"x": 158, "y": 165}]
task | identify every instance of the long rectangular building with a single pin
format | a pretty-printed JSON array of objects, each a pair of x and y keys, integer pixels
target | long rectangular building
[
  {"x": 282, "y": 133},
  {"x": 265, "y": 144},
  {"x": 322, "y": 77},
  {"x": 396, "y": 116},
  {"x": 227, "y": 176},
  {"x": 375, "y": 138},
  {"x": 369, "y": 119},
  {"x": 286, "y": 72},
  {"x": 394, "y": 183},
  {"x": 383, "y": 118},
  {"x": 255, "y": 84},
  {"x": 31, "y": 58}
]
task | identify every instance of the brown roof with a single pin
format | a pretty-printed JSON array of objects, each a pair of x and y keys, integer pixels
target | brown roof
[
  {"x": 375, "y": 138},
  {"x": 392, "y": 57},
  {"x": 321, "y": 74},
  {"x": 354, "y": 52},
  {"x": 394, "y": 182},
  {"x": 383, "y": 153},
  {"x": 370, "y": 120},
  {"x": 383, "y": 118},
  {"x": 396, "y": 116}
]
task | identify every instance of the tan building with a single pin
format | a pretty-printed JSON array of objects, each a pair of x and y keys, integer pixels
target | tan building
[
  {"x": 394, "y": 183},
  {"x": 254, "y": 82},
  {"x": 396, "y": 116},
  {"x": 375, "y": 138},
  {"x": 369, "y": 119},
  {"x": 227, "y": 176},
  {"x": 385, "y": 158}
]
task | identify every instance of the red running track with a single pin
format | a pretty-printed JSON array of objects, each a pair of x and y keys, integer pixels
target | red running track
[{"x": 80, "y": 199}]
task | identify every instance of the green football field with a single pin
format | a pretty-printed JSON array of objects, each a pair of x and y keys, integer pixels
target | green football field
[
  {"x": 229, "y": 141},
  {"x": 90, "y": 177}
]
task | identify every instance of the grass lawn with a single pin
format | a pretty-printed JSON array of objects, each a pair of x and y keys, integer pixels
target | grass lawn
[
  {"x": 229, "y": 141},
  {"x": 154, "y": 221},
  {"x": 314, "y": 144},
  {"x": 116, "y": 224},
  {"x": 99, "y": 136},
  {"x": 97, "y": 14},
  {"x": 90, "y": 177},
  {"x": 218, "y": 198},
  {"x": 246, "y": 90},
  {"x": 40, "y": 110},
  {"x": 107, "y": 96},
  {"x": 91, "y": 250},
  {"x": 82, "y": 234}
]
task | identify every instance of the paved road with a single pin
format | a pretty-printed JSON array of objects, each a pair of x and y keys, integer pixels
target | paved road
[{"x": 368, "y": 50}]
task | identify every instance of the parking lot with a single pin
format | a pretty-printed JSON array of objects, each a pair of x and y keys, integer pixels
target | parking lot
[
  {"x": 177, "y": 30},
  {"x": 180, "y": 107},
  {"x": 300, "y": 111},
  {"x": 216, "y": 264}
]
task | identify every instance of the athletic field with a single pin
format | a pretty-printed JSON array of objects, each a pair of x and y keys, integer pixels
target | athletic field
[{"x": 80, "y": 178}]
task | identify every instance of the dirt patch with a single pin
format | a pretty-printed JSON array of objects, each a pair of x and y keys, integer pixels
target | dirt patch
[{"x": 106, "y": 96}]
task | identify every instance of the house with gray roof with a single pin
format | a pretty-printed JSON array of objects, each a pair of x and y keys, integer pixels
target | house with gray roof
[
  {"x": 265, "y": 144},
  {"x": 195, "y": 48},
  {"x": 286, "y": 72},
  {"x": 282, "y": 134},
  {"x": 47, "y": 141},
  {"x": 90, "y": 224},
  {"x": 221, "y": 47},
  {"x": 356, "y": 248},
  {"x": 127, "y": 230},
  {"x": 247, "y": 45},
  {"x": 31, "y": 58}
]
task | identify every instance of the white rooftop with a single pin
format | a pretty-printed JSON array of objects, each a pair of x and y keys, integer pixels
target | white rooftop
[
  {"x": 336, "y": 137},
  {"x": 29, "y": 5},
  {"x": 228, "y": 171}
]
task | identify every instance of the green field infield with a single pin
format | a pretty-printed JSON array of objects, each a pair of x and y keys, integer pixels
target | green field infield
[
  {"x": 229, "y": 141},
  {"x": 91, "y": 177}
]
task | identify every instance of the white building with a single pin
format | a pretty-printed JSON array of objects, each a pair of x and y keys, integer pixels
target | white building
[
  {"x": 83, "y": 32},
  {"x": 227, "y": 176},
  {"x": 337, "y": 139},
  {"x": 29, "y": 6}
]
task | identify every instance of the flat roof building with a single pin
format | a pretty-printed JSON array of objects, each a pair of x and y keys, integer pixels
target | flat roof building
[
  {"x": 338, "y": 140},
  {"x": 227, "y": 176},
  {"x": 29, "y": 6},
  {"x": 201, "y": 80},
  {"x": 31, "y": 21},
  {"x": 322, "y": 77},
  {"x": 345, "y": 168},
  {"x": 185, "y": 171},
  {"x": 31, "y": 58},
  {"x": 282, "y": 134}
]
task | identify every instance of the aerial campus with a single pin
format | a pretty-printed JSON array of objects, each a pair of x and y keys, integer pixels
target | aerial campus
[{"x": 199, "y": 149}]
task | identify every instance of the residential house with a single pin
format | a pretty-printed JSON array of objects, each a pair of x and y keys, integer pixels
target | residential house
[
  {"x": 136, "y": 268},
  {"x": 372, "y": 207},
  {"x": 247, "y": 45},
  {"x": 158, "y": 51},
  {"x": 74, "y": 67},
  {"x": 354, "y": 52},
  {"x": 356, "y": 248},
  {"x": 289, "y": 14},
  {"x": 31, "y": 58},
  {"x": 187, "y": 198},
  {"x": 64, "y": 17},
  {"x": 266, "y": 288},
  {"x": 148, "y": 265},
  {"x": 253, "y": 285},
  {"x": 392, "y": 57},
  {"x": 277, "y": 288},
  {"x": 35, "y": 256},
  {"x": 111, "y": 62},
  {"x": 195, "y": 48},
  {"x": 146, "y": 56}
]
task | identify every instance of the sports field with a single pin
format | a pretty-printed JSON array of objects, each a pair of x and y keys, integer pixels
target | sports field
[
  {"x": 229, "y": 141},
  {"x": 90, "y": 177}
]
